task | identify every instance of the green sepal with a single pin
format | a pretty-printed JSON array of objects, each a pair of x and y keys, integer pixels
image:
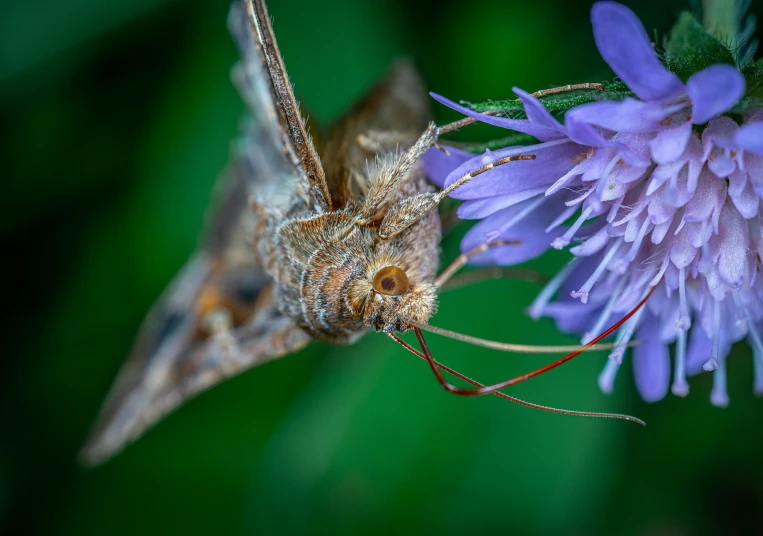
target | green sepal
[
  {"x": 557, "y": 103},
  {"x": 691, "y": 48},
  {"x": 500, "y": 143},
  {"x": 753, "y": 74}
]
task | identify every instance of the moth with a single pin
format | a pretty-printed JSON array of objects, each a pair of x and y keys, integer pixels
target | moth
[{"x": 300, "y": 245}]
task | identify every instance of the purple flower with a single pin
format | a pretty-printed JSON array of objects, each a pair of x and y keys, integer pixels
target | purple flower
[{"x": 663, "y": 190}]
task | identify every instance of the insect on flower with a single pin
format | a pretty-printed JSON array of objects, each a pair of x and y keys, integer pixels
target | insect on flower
[{"x": 300, "y": 246}]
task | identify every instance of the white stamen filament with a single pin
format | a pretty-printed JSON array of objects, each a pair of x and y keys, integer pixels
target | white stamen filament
[
  {"x": 598, "y": 327},
  {"x": 621, "y": 264},
  {"x": 680, "y": 386},
  {"x": 639, "y": 238},
  {"x": 582, "y": 293},
  {"x": 719, "y": 395},
  {"x": 538, "y": 306},
  {"x": 624, "y": 337},
  {"x": 564, "y": 240},
  {"x": 614, "y": 209},
  {"x": 582, "y": 197},
  {"x": 713, "y": 362},
  {"x": 742, "y": 322},
  {"x": 561, "y": 218},
  {"x": 684, "y": 320},
  {"x": 607, "y": 377},
  {"x": 661, "y": 272}
]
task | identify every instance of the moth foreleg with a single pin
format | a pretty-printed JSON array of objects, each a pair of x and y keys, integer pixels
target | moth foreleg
[{"x": 408, "y": 211}]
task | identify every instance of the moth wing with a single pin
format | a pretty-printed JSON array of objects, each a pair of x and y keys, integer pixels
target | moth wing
[
  {"x": 252, "y": 29},
  {"x": 396, "y": 109},
  {"x": 179, "y": 350}
]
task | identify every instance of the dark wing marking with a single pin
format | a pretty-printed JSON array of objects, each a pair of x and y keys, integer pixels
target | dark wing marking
[
  {"x": 397, "y": 107},
  {"x": 176, "y": 355},
  {"x": 299, "y": 141}
]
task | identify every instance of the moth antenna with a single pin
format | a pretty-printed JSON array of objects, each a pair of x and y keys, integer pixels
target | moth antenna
[
  {"x": 513, "y": 347},
  {"x": 452, "y": 372},
  {"x": 526, "y": 376},
  {"x": 480, "y": 170},
  {"x": 461, "y": 123}
]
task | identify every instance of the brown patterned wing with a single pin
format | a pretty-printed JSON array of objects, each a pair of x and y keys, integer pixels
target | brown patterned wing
[
  {"x": 392, "y": 114},
  {"x": 297, "y": 141},
  {"x": 218, "y": 317}
]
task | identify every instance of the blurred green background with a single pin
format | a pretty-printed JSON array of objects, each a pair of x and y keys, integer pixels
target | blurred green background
[{"x": 117, "y": 117}]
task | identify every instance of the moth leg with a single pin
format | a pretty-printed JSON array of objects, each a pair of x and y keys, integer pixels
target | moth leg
[
  {"x": 390, "y": 175},
  {"x": 462, "y": 259},
  {"x": 408, "y": 211}
]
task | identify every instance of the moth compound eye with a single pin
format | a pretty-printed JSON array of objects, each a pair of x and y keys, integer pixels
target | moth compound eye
[{"x": 391, "y": 280}]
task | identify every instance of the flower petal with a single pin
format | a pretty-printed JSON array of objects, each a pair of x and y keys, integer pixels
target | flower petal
[
  {"x": 745, "y": 200},
  {"x": 628, "y": 116},
  {"x": 536, "y": 113},
  {"x": 585, "y": 134},
  {"x": 750, "y": 138},
  {"x": 625, "y": 46},
  {"x": 651, "y": 362},
  {"x": 520, "y": 125},
  {"x": 707, "y": 199},
  {"x": 529, "y": 228},
  {"x": 438, "y": 165},
  {"x": 554, "y": 159},
  {"x": 670, "y": 143},
  {"x": 713, "y": 91},
  {"x": 475, "y": 209},
  {"x": 719, "y": 132},
  {"x": 731, "y": 245}
]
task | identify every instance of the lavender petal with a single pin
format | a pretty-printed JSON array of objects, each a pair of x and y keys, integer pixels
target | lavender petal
[
  {"x": 519, "y": 125},
  {"x": 750, "y": 138},
  {"x": 713, "y": 91},
  {"x": 651, "y": 362},
  {"x": 438, "y": 165},
  {"x": 625, "y": 46}
]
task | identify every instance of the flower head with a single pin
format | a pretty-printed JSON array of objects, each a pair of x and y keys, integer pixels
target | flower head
[{"x": 659, "y": 190}]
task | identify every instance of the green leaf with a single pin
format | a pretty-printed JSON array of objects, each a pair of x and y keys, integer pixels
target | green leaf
[
  {"x": 558, "y": 103},
  {"x": 753, "y": 74},
  {"x": 691, "y": 48},
  {"x": 493, "y": 145},
  {"x": 727, "y": 20}
]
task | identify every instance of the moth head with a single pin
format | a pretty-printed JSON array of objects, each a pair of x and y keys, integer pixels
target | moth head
[{"x": 389, "y": 300}]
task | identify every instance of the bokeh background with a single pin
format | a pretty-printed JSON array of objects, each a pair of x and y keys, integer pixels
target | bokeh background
[{"x": 116, "y": 118}]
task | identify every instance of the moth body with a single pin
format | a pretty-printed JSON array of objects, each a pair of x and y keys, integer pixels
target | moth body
[
  {"x": 324, "y": 267},
  {"x": 300, "y": 244}
]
